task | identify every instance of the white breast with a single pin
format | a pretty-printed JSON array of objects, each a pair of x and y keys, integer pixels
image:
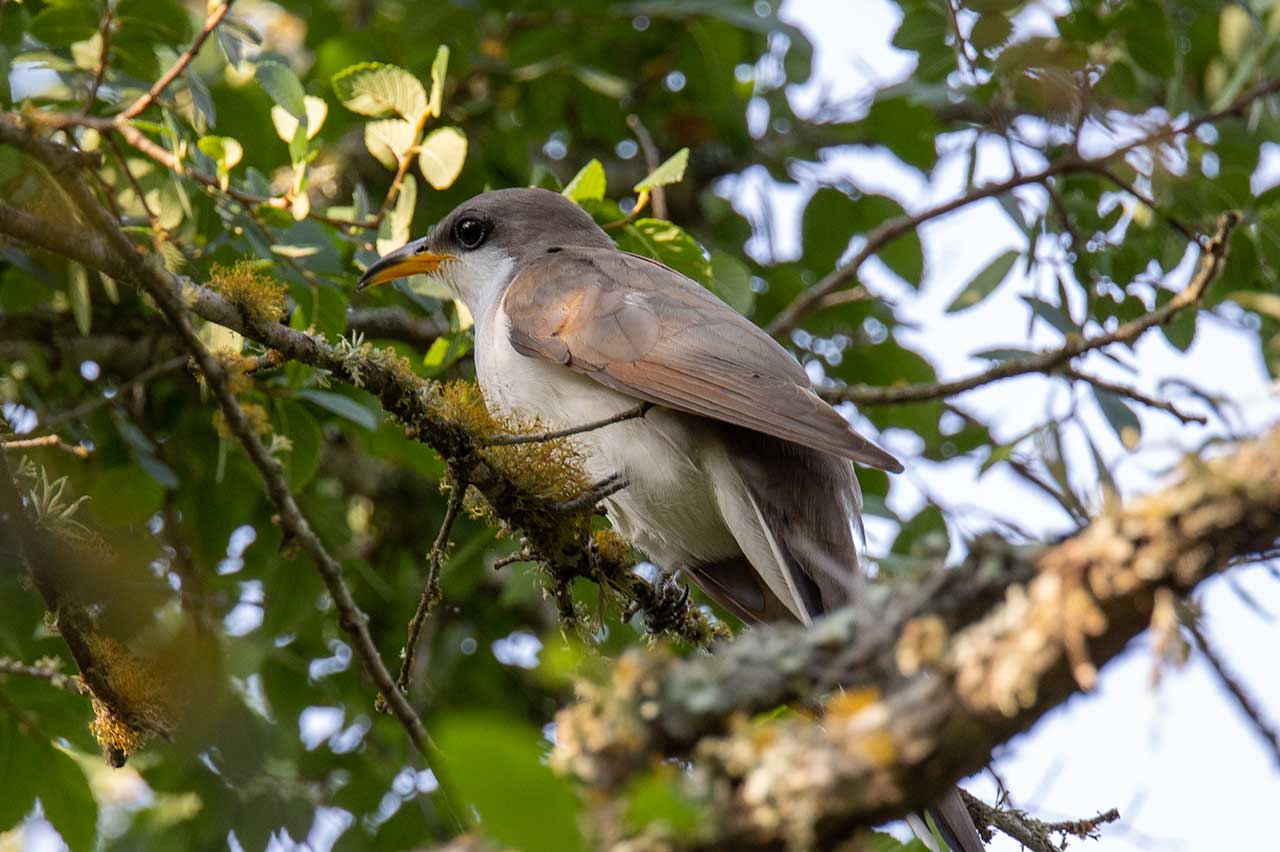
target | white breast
[{"x": 669, "y": 508}]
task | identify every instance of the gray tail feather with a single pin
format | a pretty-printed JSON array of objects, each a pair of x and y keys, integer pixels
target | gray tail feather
[{"x": 951, "y": 816}]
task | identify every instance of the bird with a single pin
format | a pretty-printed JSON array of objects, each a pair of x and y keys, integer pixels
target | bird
[{"x": 737, "y": 472}]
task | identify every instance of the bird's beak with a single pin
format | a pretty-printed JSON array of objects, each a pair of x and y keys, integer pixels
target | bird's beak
[{"x": 410, "y": 259}]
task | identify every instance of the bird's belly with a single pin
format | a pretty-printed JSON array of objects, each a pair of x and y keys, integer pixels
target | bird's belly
[{"x": 669, "y": 508}]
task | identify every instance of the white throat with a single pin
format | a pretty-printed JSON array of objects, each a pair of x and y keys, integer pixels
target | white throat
[{"x": 478, "y": 279}]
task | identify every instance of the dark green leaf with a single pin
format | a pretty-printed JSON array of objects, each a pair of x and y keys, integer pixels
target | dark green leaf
[
  {"x": 343, "y": 406},
  {"x": 1121, "y": 417},
  {"x": 495, "y": 764},
  {"x": 67, "y": 801},
  {"x": 985, "y": 282}
]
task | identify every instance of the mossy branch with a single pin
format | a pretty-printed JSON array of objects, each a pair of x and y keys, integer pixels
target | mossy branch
[{"x": 923, "y": 685}]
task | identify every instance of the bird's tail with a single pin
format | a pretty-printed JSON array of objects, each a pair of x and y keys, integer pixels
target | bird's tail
[{"x": 954, "y": 823}]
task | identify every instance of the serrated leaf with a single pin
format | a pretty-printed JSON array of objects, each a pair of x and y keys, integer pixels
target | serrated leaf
[
  {"x": 343, "y": 406},
  {"x": 443, "y": 152},
  {"x": 287, "y": 126},
  {"x": 375, "y": 88},
  {"x": 439, "y": 66},
  {"x": 388, "y": 139},
  {"x": 587, "y": 185},
  {"x": 672, "y": 171},
  {"x": 666, "y": 242},
  {"x": 984, "y": 283},
  {"x": 283, "y": 87}
]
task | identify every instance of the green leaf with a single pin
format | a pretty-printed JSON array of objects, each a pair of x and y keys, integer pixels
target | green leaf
[
  {"x": 1121, "y": 417},
  {"x": 445, "y": 351},
  {"x": 495, "y": 764},
  {"x": 60, "y": 24},
  {"x": 1052, "y": 314},
  {"x": 587, "y": 185},
  {"x": 443, "y": 152},
  {"x": 283, "y": 87},
  {"x": 388, "y": 139},
  {"x": 439, "y": 66},
  {"x": 67, "y": 800},
  {"x": 731, "y": 281},
  {"x": 672, "y": 171},
  {"x": 1145, "y": 29},
  {"x": 303, "y": 458},
  {"x": 984, "y": 283},
  {"x": 656, "y": 798},
  {"x": 165, "y": 21},
  {"x": 225, "y": 153},
  {"x": 81, "y": 304},
  {"x": 343, "y": 406},
  {"x": 287, "y": 126},
  {"x": 374, "y": 88},
  {"x": 21, "y": 756},
  {"x": 991, "y": 30},
  {"x": 666, "y": 243},
  {"x": 831, "y": 218},
  {"x": 125, "y": 495}
]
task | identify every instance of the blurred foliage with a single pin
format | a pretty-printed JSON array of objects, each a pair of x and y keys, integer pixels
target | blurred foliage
[{"x": 314, "y": 136}]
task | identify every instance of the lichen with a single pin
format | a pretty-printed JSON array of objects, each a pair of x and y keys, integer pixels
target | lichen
[{"x": 260, "y": 296}]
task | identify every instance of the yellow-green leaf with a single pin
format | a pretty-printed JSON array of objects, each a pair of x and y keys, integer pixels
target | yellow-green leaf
[
  {"x": 438, "y": 69},
  {"x": 587, "y": 185},
  {"x": 374, "y": 88},
  {"x": 672, "y": 171},
  {"x": 388, "y": 139},
  {"x": 287, "y": 126},
  {"x": 443, "y": 152}
]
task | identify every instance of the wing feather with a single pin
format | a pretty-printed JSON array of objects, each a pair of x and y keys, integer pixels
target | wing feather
[{"x": 645, "y": 330}]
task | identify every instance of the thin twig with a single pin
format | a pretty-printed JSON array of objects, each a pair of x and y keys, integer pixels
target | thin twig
[
  {"x": 1033, "y": 833},
  {"x": 91, "y": 405},
  {"x": 431, "y": 588},
  {"x": 538, "y": 437},
  {"x": 164, "y": 289},
  {"x": 651, "y": 161},
  {"x": 104, "y": 56},
  {"x": 1135, "y": 395},
  {"x": 1109, "y": 173},
  {"x": 54, "y": 441},
  {"x": 1211, "y": 263},
  {"x": 210, "y": 24},
  {"x": 42, "y": 671},
  {"x": 1246, "y": 702},
  {"x": 601, "y": 490},
  {"x": 791, "y": 315}
]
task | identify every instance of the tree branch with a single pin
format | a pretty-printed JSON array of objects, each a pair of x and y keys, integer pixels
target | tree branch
[
  {"x": 1212, "y": 259},
  {"x": 413, "y": 401},
  {"x": 930, "y": 681},
  {"x": 211, "y": 22},
  {"x": 790, "y": 316},
  {"x": 150, "y": 277}
]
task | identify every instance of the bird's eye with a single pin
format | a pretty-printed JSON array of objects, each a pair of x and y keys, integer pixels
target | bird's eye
[{"x": 470, "y": 232}]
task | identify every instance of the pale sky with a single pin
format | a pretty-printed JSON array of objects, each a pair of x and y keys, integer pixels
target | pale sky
[{"x": 1177, "y": 759}]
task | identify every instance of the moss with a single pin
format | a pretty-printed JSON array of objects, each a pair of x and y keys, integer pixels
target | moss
[
  {"x": 257, "y": 416},
  {"x": 260, "y": 296},
  {"x": 144, "y": 702}
]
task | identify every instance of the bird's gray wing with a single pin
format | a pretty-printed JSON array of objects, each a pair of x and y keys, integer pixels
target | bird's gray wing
[{"x": 641, "y": 328}]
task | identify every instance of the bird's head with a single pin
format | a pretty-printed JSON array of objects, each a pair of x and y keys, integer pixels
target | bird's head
[{"x": 479, "y": 247}]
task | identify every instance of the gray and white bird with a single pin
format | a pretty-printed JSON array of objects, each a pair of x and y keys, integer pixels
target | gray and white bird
[{"x": 738, "y": 475}]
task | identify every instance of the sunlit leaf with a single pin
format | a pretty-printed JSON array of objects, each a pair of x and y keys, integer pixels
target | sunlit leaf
[
  {"x": 587, "y": 185},
  {"x": 443, "y": 152},
  {"x": 671, "y": 171},
  {"x": 283, "y": 87},
  {"x": 374, "y": 88}
]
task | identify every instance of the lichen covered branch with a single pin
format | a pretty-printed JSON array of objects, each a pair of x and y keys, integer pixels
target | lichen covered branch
[{"x": 920, "y": 687}]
